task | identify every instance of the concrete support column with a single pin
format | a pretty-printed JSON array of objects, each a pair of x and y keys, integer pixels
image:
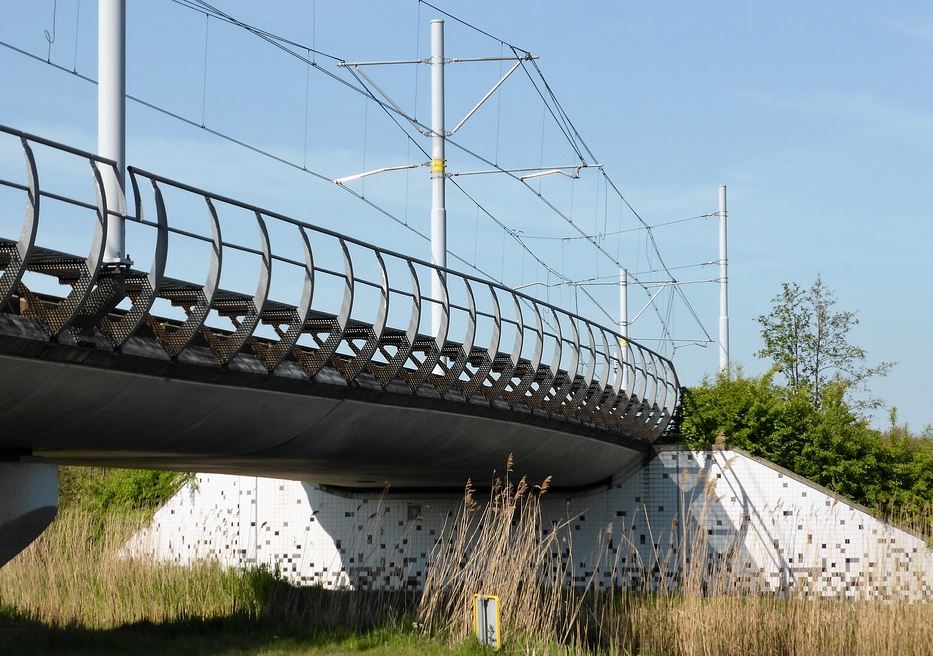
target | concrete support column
[{"x": 28, "y": 503}]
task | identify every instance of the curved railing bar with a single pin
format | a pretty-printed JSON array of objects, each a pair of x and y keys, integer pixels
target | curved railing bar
[
  {"x": 411, "y": 335},
  {"x": 583, "y": 383},
  {"x": 198, "y": 306},
  {"x": 631, "y": 399},
  {"x": 671, "y": 383},
  {"x": 670, "y": 397},
  {"x": 615, "y": 409},
  {"x": 437, "y": 372},
  {"x": 607, "y": 358},
  {"x": 57, "y": 320},
  {"x": 617, "y": 393},
  {"x": 639, "y": 400},
  {"x": 603, "y": 396},
  {"x": 656, "y": 409},
  {"x": 591, "y": 402},
  {"x": 17, "y": 255},
  {"x": 141, "y": 290},
  {"x": 567, "y": 378},
  {"x": 650, "y": 400},
  {"x": 483, "y": 359},
  {"x": 404, "y": 345},
  {"x": 622, "y": 386},
  {"x": 492, "y": 353},
  {"x": 313, "y": 360},
  {"x": 226, "y": 347},
  {"x": 643, "y": 371},
  {"x": 352, "y": 367},
  {"x": 619, "y": 382},
  {"x": 462, "y": 351},
  {"x": 509, "y": 363},
  {"x": 548, "y": 371},
  {"x": 431, "y": 346},
  {"x": 532, "y": 369},
  {"x": 382, "y": 316},
  {"x": 664, "y": 412},
  {"x": 539, "y": 370},
  {"x": 273, "y": 355}
]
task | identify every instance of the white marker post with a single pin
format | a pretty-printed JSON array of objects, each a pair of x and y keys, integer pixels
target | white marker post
[
  {"x": 111, "y": 116},
  {"x": 438, "y": 174},
  {"x": 723, "y": 285}
]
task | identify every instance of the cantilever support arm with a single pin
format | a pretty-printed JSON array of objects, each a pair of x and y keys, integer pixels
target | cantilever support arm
[
  {"x": 385, "y": 169},
  {"x": 483, "y": 100},
  {"x": 356, "y": 69},
  {"x": 648, "y": 304}
]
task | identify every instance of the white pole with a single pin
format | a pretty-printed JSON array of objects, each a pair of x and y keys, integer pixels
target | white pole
[
  {"x": 723, "y": 285},
  {"x": 111, "y": 115},
  {"x": 438, "y": 174},
  {"x": 623, "y": 321}
]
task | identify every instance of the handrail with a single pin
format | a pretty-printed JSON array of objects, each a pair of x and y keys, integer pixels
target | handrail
[{"x": 385, "y": 251}]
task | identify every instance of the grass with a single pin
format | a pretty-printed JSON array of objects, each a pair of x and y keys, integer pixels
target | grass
[
  {"x": 73, "y": 591},
  {"x": 73, "y": 588},
  {"x": 231, "y": 636}
]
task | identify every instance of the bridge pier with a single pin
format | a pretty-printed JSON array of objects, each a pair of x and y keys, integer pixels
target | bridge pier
[{"x": 29, "y": 494}]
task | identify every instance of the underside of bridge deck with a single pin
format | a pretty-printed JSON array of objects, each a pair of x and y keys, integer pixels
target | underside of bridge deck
[{"x": 137, "y": 408}]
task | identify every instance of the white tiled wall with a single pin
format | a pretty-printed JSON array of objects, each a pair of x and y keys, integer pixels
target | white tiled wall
[{"x": 774, "y": 531}]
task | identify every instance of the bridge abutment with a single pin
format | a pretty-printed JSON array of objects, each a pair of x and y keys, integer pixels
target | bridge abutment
[
  {"x": 28, "y": 503},
  {"x": 724, "y": 520}
]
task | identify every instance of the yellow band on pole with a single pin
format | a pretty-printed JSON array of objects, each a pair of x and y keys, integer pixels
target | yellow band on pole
[{"x": 438, "y": 165}]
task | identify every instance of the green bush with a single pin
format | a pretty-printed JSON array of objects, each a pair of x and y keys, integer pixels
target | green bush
[
  {"x": 104, "y": 489},
  {"x": 831, "y": 445}
]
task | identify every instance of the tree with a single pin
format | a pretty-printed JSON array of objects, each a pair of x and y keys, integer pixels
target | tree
[
  {"x": 808, "y": 341},
  {"x": 890, "y": 471},
  {"x": 752, "y": 413}
]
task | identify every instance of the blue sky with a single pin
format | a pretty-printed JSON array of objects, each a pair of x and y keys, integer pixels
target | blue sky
[{"x": 819, "y": 117}]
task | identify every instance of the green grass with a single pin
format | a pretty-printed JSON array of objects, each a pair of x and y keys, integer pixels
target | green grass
[
  {"x": 72, "y": 593},
  {"x": 229, "y": 636},
  {"x": 105, "y": 489}
]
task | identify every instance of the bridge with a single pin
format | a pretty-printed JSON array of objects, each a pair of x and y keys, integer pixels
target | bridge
[
  {"x": 246, "y": 341},
  {"x": 341, "y": 382}
]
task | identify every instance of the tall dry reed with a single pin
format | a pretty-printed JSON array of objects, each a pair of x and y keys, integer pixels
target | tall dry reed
[{"x": 500, "y": 546}]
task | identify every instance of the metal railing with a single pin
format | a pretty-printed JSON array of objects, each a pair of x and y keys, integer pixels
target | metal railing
[{"x": 494, "y": 345}]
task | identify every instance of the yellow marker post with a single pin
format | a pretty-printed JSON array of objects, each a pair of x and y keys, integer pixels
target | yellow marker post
[{"x": 486, "y": 620}]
